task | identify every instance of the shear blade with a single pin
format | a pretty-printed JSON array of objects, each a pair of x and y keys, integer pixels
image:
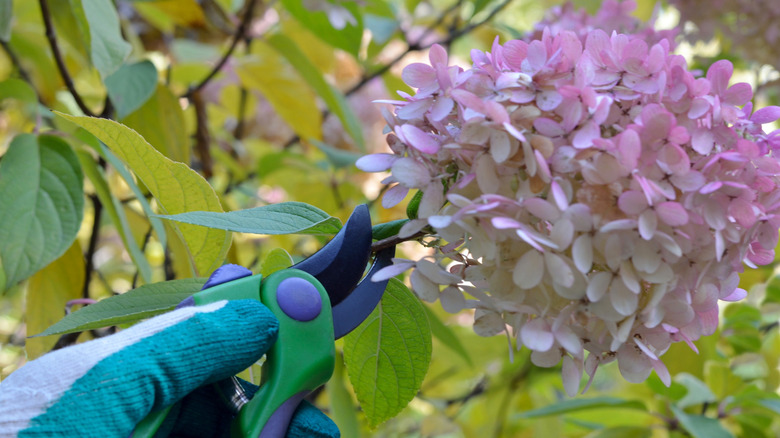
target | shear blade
[
  {"x": 355, "y": 308},
  {"x": 340, "y": 263}
]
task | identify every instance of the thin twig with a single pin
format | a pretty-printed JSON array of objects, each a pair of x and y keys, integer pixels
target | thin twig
[
  {"x": 18, "y": 65},
  {"x": 55, "y": 49},
  {"x": 97, "y": 208},
  {"x": 394, "y": 240},
  {"x": 238, "y": 36}
]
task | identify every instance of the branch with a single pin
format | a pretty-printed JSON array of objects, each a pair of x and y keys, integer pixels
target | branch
[
  {"x": 15, "y": 61},
  {"x": 55, "y": 49},
  {"x": 238, "y": 36},
  {"x": 394, "y": 240},
  {"x": 97, "y": 208}
]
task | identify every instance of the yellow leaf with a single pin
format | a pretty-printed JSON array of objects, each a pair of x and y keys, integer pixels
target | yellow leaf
[
  {"x": 268, "y": 72},
  {"x": 176, "y": 187},
  {"x": 185, "y": 13},
  {"x": 47, "y": 292},
  {"x": 161, "y": 122}
]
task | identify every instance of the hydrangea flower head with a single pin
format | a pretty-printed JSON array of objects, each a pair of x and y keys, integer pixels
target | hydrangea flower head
[{"x": 596, "y": 198}]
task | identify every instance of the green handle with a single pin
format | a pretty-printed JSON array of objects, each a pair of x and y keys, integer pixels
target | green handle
[{"x": 301, "y": 360}]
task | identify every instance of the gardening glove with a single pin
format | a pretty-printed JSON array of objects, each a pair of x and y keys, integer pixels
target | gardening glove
[{"x": 104, "y": 387}]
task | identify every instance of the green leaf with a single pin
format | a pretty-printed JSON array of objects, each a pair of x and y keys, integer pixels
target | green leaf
[
  {"x": 333, "y": 98},
  {"x": 282, "y": 218},
  {"x": 337, "y": 157},
  {"x": 116, "y": 213},
  {"x": 388, "y": 355},
  {"x": 175, "y": 186},
  {"x": 347, "y": 39},
  {"x": 700, "y": 426},
  {"x": 108, "y": 48},
  {"x": 387, "y": 229},
  {"x": 582, "y": 404},
  {"x": 20, "y": 90},
  {"x": 446, "y": 336},
  {"x": 272, "y": 75},
  {"x": 161, "y": 122},
  {"x": 342, "y": 407},
  {"x": 276, "y": 260},
  {"x": 41, "y": 206},
  {"x": 6, "y": 18},
  {"x": 132, "y": 306},
  {"x": 771, "y": 404},
  {"x": 131, "y": 86},
  {"x": 47, "y": 293},
  {"x": 698, "y": 392}
]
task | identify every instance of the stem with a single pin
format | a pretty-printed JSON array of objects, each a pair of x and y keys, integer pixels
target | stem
[
  {"x": 394, "y": 240},
  {"x": 238, "y": 36},
  {"x": 55, "y": 49},
  {"x": 18, "y": 65},
  {"x": 97, "y": 208}
]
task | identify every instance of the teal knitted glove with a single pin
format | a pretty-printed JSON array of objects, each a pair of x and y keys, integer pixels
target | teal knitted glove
[{"x": 103, "y": 388}]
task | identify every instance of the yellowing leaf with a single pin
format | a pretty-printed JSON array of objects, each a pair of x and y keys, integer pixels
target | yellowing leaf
[
  {"x": 48, "y": 291},
  {"x": 161, "y": 122},
  {"x": 176, "y": 187},
  {"x": 186, "y": 13},
  {"x": 268, "y": 72}
]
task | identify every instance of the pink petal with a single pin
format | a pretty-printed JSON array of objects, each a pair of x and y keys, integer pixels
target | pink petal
[
  {"x": 548, "y": 127},
  {"x": 672, "y": 213},
  {"x": 391, "y": 271},
  {"x": 375, "y": 162},
  {"x": 585, "y": 136},
  {"x": 632, "y": 202},
  {"x": 394, "y": 195},
  {"x": 630, "y": 148},
  {"x": 536, "y": 56},
  {"x": 441, "y": 109},
  {"x": 541, "y": 209},
  {"x": 418, "y": 139},
  {"x": 515, "y": 52},
  {"x": 719, "y": 75},
  {"x": 738, "y": 94},
  {"x": 503, "y": 223},
  {"x": 418, "y": 75},
  {"x": 411, "y": 173},
  {"x": 766, "y": 115},
  {"x": 662, "y": 372},
  {"x": 548, "y": 100},
  {"x": 737, "y": 295},
  {"x": 699, "y": 107}
]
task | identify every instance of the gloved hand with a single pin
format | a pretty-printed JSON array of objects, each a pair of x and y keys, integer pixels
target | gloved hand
[{"x": 104, "y": 387}]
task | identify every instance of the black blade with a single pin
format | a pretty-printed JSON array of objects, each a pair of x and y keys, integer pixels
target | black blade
[
  {"x": 340, "y": 264},
  {"x": 355, "y": 308}
]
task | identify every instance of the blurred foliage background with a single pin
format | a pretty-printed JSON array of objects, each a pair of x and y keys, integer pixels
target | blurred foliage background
[{"x": 272, "y": 101}]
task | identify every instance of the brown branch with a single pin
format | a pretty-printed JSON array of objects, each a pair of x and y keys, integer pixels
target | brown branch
[
  {"x": 55, "y": 49},
  {"x": 394, "y": 240},
  {"x": 202, "y": 135},
  {"x": 97, "y": 208},
  {"x": 238, "y": 36},
  {"x": 17, "y": 64}
]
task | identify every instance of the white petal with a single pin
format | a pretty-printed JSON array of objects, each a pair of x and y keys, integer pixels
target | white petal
[
  {"x": 568, "y": 340},
  {"x": 391, "y": 271},
  {"x": 562, "y": 233},
  {"x": 394, "y": 195},
  {"x": 452, "y": 300},
  {"x": 529, "y": 270},
  {"x": 423, "y": 287},
  {"x": 536, "y": 335},
  {"x": 623, "y": 300},
  {"x": 645, "y": 349},
  {"x": 439, "y": 221},
  {"x": 432, "y": 200},
  {"x": 648, "y": 223},
  {"x": 646, "y": 257},
  {"x": 663, "y": 274},
  {"x": 558, "y": 269},
  {"x": 668, "y": 243},
  {"x": 571, "y": 373},
  {"x": 613, "y": 252},
  {"x": 488, "y": 323},
  {"x": 629, "y": 277},
  {"x": 411, "y": 173},
  {"x": 436, "y": 273},
  {"x": 582, "y": 253},
  {"x": 412, "y": 227},
  {"x": 487, "y": 179},
  {"x": 500, "y": 147},
  {"x": 634, "y": 366},
  {"x": 375, "y": 162},
  {"x": 598, "y": 285},
  {"x": 546, "y": 359}
]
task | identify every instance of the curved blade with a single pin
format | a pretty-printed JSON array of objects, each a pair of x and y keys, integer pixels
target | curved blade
[
  {"x": 340, "y": 263},
  {"x": 355, "y": 308}
]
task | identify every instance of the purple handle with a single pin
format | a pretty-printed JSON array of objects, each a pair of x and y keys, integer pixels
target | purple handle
[{"x": 277, "y": 425}]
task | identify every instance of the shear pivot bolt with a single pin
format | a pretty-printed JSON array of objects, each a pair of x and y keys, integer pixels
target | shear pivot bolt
[{"x": 299, "y": 299}]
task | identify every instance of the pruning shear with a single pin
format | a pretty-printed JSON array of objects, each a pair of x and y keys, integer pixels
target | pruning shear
[{"x": 316, "y": 301}]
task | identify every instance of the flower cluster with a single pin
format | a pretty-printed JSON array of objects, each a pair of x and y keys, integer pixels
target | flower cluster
[
  {"x": 751, "y": 25},
  {"x": 589, "y": 192}
]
